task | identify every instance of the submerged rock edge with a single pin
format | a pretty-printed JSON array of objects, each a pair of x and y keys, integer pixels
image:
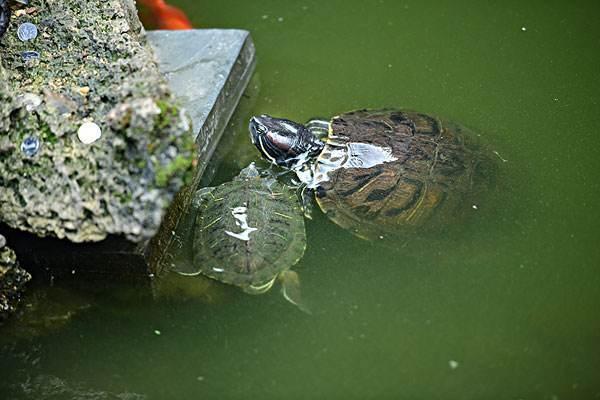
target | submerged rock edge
[{"x": 12, "y": 282}]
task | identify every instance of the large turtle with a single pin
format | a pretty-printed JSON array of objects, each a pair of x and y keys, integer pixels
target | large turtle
[
  {"x": 379, "y": 172},
  {"x": 248, "y": 232}
]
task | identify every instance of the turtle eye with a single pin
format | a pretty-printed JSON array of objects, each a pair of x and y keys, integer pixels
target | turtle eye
[{"x": 261, "y": 129}]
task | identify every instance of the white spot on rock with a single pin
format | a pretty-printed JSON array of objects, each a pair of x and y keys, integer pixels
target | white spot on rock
[
  {"x": 30, "y": 101},
  {"x": 89, "y": 132}
]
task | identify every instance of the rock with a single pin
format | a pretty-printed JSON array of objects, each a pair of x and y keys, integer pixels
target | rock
[
  {"x": 66, "y": 188},
  {"x": 12, "y": 281}
]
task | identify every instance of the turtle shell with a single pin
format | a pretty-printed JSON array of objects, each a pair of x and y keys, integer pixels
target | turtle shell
[
  {"x": 389, "y": 171},
  {"x": 247, "y": 231}
]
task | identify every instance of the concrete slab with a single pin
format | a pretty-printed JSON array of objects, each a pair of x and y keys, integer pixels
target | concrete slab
[{"x": 207, "y": 70}]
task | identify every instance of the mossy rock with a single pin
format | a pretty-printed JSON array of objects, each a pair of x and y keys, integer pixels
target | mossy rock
[
  {"x": 12, "y": 281},
  {"x": 94, "y": 65}
]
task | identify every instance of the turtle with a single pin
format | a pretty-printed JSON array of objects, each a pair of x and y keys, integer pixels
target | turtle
[
  {"x": 380, "y": 173},
  {"x": 248, "y": 232},
  {"x": 5, "y": 13}
]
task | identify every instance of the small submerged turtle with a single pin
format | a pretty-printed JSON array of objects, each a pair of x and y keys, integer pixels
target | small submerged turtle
[
  {"x": 379, "y": 172},
  {"x": 247, "y": 233}
]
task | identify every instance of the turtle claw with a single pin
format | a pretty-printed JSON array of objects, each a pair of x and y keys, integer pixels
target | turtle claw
[
  {"x": 307, "y": 210},
  {"x": 306, "y": 203}
]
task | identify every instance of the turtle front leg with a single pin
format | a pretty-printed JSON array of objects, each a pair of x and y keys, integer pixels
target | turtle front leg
[
  {"x": 306, "y": 201},
  {"x": 304, "y": 189}
]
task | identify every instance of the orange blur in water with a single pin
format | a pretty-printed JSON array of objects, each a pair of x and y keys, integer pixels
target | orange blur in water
[{"x": 166, "y": 16}]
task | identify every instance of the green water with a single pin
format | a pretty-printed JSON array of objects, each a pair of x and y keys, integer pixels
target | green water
[{"x": 504, "y": 308}]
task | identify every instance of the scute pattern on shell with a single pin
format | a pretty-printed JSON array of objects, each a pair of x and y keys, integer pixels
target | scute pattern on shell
[
  {"x": 436, "y": 166},
  {"x": 278, "y": 242}
]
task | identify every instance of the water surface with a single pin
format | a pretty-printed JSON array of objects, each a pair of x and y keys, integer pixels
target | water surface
[{"x": 502, "y": 307}]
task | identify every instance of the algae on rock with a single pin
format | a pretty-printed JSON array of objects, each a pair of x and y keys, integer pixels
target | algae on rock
[
  {"x": 93, "y": 66},
  {"x": 12, "y": 281}
]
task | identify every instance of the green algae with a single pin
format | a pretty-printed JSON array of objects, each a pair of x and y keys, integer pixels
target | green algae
[{"x": 12, "y": 281}]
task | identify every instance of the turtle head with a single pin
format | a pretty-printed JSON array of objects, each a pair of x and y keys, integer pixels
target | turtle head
[{"x": 283, "y": 142}]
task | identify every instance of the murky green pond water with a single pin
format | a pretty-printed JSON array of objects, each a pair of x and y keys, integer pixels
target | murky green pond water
[{"x": 504, "y": 308}]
